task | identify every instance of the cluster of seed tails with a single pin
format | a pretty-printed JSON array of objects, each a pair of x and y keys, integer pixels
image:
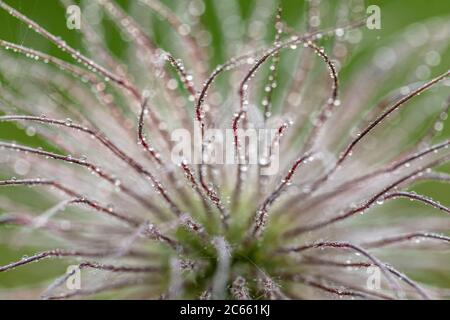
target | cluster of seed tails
[{"x": 140, "y": 226}]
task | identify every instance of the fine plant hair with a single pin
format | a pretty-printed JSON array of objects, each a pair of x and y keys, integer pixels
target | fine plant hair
[{"x": 96, "y": 187}]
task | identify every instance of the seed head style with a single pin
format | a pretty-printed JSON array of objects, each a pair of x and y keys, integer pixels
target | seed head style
[{"x": 97, "y": 187}]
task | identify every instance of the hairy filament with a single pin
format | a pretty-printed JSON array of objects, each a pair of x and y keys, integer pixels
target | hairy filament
[
  {"x": 56, "y": 253},
  {"x": 404, "y": 237},
  {"x": 197, "y": 55},
  {"x": 365, "y": 206},
  {"x": 75, "y": 54},
  {"x": 102, "y": 288},
  {"x": 90, "y": 166},
  {"x": 259, "y": 219},
  {"x": 385, "y": 114},
  {"x": 345, "y": 245},
  {"x": 77, "y": 197}
]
